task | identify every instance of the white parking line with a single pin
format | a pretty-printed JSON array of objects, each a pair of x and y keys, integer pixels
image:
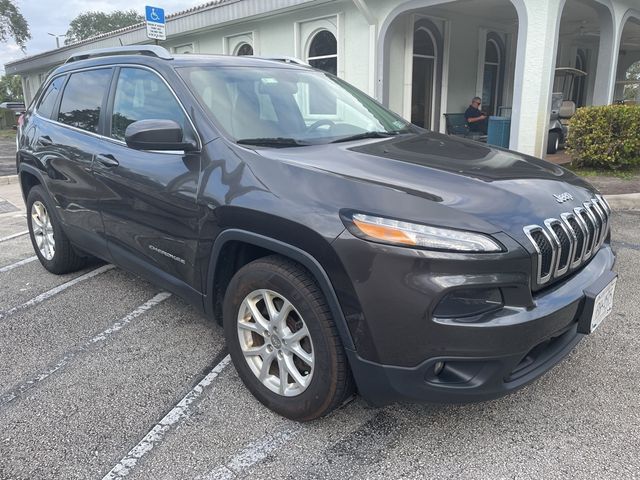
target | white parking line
[
  {"x": 252, "y": 454},
  {"x": 178, "y": 414},
  {"x": 54, "y": 291},
  {"x": 64, "y": 361},
  {"x": 6, "y": 268},
  {"x": 15, "y": 235}
]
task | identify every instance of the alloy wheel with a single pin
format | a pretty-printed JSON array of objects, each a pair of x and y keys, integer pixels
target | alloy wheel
[
  {"x": 275, "y": 342},
  {"x": 43, "y": 230}
]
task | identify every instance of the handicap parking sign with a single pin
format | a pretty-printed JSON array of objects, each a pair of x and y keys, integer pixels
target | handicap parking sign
[
  {"x": 154, "y": 14},
  {"x": 155, "y": 22}
]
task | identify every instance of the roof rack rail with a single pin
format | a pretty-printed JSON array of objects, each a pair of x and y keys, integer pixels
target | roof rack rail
[
  {"x": 285, "y": 59},
  {"x": 151, "y": 50}
]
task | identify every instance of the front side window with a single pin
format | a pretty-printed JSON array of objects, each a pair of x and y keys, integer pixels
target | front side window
[
  {"x": 82, "y": 99},
  {"x": 48, "y": 99},
  {"x": 304, "y": 106},
  {"x": 142, "y": 95},
  {"x": 323, "y": 52}
]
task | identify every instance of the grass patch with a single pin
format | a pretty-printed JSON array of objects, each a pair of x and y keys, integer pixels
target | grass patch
[
  {"x": 7, "y": 134},
  {"x": 624, "y": 174}
]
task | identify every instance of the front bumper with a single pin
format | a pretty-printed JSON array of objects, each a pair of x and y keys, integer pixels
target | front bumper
[{"x": 491, "y": 358}]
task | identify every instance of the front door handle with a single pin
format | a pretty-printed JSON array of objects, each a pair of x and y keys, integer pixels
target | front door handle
[
  {"x": 45, "y": 141},
  {"x": 107, "y": 160}
]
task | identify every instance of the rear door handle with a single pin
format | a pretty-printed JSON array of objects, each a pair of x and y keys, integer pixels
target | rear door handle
[
  {"x": 107, "y": 160},
  {"x": 45, "y": 141}
]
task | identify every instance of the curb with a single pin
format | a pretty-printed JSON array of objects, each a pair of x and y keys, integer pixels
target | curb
[
  {"x": 9, "y": 179},
  {"x": 625, "y": 201}
]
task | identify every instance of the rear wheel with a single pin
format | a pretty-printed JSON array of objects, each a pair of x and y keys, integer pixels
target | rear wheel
[
  {"x": 53, "y": 248},
  {"x": 283, "y": 340},
  {"x": 553, "y": 144}
]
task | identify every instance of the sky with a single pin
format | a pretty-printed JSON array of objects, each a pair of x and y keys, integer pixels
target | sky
[{"x": 47, "y": 16}]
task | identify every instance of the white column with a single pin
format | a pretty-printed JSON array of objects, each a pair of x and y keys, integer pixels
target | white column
[
  {"x": 539, "y": 23},
  {"x": 25, "y": 89},
  {"x": 364, "y": 9},
  {"x": 606, "y": 68}
]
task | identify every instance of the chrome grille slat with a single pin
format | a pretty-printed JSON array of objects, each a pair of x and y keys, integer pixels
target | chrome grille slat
[
  {"x": 562, "y": 238},
  {"x": 579, "y": 234},
  {"x": 588, "y": 207},
  {"x": 583, "y": 218},
  {"x": 564, "y": 244},
  {"x": 603, "y": 220},
  {"x": 543, "y": 275}
]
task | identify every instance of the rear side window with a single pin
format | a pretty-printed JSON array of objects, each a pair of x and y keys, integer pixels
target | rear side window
[
  {"x": 48, "y": 100},
  {"x": 142, "y": 95},
  {"x": 82, "y": 99}
]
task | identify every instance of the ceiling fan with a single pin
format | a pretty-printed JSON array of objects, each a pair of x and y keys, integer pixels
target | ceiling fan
[
  {"x": 583, "y": 30},
  {"x": 631, "y": 42}
]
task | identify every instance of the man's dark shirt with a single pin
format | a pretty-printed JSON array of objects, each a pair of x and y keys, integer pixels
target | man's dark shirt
[{"x": 473, "y": 112}]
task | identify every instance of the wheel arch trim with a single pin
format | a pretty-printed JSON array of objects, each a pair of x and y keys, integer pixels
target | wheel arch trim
[
  {"x": 292, "y": 252},
  {"x": 28, "y": 169}
]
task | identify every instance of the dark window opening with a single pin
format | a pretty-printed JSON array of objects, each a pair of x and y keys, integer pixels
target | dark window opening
[
  {"x": 323, "y": 52},
  {"x": 244, "y": 50},
  {"x": 493, "y": 79}
]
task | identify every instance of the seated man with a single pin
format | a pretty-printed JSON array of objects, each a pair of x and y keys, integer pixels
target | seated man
[{"x": 476, "y": 119}]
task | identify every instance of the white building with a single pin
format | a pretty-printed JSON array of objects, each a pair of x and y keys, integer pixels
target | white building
[{"x": 422, "y": 58}]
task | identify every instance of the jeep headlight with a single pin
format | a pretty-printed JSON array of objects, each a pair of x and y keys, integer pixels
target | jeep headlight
[{"x": 398, "y": 232}]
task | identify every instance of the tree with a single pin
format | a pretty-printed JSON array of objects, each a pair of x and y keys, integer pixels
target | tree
[
  {"x": 13, "y": 24},
  {"x": 89, "y": 24},
  {"x": 632, "y": 91},
  {"x": 10, "y": 88}
]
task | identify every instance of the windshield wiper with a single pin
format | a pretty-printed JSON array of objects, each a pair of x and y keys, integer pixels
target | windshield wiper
[
  {"x": 373, "y": 134},
  {"x": 272, "y": 142}
]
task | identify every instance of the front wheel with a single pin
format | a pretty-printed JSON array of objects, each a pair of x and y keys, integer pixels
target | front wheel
[{"x": 283, "y": 340}]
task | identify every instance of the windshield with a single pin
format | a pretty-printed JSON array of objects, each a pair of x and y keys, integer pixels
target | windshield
[{"x": 288, "y": 107}]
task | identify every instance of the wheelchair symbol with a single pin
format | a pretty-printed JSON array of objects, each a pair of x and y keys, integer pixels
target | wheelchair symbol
[{"x": 154, "y": 16}]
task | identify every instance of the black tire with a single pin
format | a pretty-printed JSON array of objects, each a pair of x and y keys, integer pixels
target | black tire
[
  {"x": 553, "y": 144},
  {"x": 331, "y": 382},
  {"x": 65, "y": 259}
]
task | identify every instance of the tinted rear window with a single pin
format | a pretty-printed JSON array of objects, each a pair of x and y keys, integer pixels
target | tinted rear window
[
  {"x": 82, "y": 99},
  {"x": 48, "y": 100}
]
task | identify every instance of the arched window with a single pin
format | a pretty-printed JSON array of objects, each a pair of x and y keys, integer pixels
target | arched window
[
  {"x": 323, "y": 52},
  {"x": 425, "y": 71},
  {"x": 493, "y": 73},
  {"x": 579, "y": 83},
  {"x": 244, "y": 49}
]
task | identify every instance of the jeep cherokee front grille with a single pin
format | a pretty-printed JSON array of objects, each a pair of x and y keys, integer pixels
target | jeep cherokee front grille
[{"x": 565, "y": 243}]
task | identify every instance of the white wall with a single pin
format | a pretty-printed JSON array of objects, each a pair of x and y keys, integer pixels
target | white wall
[{"x": 276, "y": 35}]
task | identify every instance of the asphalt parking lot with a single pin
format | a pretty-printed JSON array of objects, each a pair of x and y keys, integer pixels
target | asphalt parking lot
[
  {"x": 7, "y": 156},
  {"x": 104, "y": 375}
]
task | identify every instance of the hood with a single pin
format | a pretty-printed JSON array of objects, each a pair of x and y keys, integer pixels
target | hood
[{"x": 506, "y": 189}]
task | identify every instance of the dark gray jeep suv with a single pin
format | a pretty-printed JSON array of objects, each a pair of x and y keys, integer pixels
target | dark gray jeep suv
[{"x": 342, "y": 248}]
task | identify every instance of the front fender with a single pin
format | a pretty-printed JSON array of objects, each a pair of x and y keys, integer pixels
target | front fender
[{"x": 290, "y": 251}]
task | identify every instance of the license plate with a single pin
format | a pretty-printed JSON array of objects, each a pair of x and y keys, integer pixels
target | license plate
[
  {"x": 603, "y": 305},
  {"x": 598, "y": 302}
]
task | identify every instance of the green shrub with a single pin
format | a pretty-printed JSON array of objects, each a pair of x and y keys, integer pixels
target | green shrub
[{"x": 605, "y": 137}]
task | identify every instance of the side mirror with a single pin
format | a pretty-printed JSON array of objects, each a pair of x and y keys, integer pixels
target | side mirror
[{"x": 156, "y": 135}]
